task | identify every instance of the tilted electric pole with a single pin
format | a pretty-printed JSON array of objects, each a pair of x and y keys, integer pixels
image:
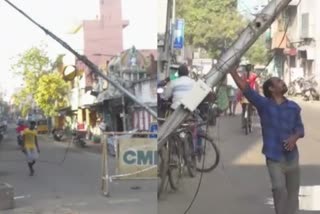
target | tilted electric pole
[
  {"x": 227, "y": 62},
  {"x": 86, "y": 61}
]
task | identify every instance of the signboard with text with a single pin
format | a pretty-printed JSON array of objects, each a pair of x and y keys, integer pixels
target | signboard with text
[
  {"x": 137, "y": 155},
  {"x": 178, "y": 34}
]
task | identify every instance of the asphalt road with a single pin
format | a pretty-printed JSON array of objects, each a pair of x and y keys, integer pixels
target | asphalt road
[
  {"x": 240, "y": 184},
  {"x": 70, "y": 188}
]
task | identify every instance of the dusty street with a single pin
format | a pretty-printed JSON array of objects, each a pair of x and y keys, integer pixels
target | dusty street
[
  {"x": 241, "y": 183},
  {"x": 72, "y": 187}
]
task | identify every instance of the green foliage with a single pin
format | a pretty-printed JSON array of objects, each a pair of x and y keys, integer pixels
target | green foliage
[
  {"x": 36, "y": 68},
  {"x": 210, "y": 24},
  {"x": 33, "y": 60},
  {"x": 51, "y": 93},
  {"x": 258, "y": 53},
  {"x": 22, "y": 100}
]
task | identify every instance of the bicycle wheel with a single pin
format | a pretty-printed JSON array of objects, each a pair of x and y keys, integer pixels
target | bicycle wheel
[
  {"x": 249, "y": 126},
  {"x": 162, "y": 170},
  {"x": 246, "y": 126},
  {"x": 176, "y": 162},
  {"x": 246, "y": 122},
  {"x": 208, "y": 155},
  {"x": 189, "y": 155}
]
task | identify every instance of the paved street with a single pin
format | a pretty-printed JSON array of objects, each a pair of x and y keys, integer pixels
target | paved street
[
  {"x": 70, "y": 188},
  {"x": 241, "y": 183}
]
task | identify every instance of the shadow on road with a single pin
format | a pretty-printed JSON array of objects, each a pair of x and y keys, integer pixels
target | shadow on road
[{"x": 241, "y": 183}]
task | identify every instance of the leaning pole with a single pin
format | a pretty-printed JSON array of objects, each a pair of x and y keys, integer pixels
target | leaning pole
[{"x": 227, "y": 61}]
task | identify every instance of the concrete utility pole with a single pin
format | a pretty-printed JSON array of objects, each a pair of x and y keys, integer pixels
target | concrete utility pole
[
  {"x": 228, "y": 60},
  {"x": 165, "y": 49},
  {"x": 86, "y": 61}
]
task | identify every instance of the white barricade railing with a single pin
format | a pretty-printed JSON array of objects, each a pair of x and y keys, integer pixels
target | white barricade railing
[{"x": 136, "y": 158}]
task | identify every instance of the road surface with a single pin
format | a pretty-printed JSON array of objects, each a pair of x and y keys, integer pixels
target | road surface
[
  {"x": 70, "y": 188},
  {"x": 241, "y": 184}
]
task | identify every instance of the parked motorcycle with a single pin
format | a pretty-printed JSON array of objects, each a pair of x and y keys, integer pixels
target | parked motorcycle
[
  {"x": 296, "y": 87},
  {"x": 309, "y": 90},
  {"x": 57, "y": 134},
  {"x": 77, "y": 139},
  {"x": 304, "y": 88},
  {"x": 163, "y": 105}
]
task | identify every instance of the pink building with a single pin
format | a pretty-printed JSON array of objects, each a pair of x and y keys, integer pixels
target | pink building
[{"x": 103, "y": 37}]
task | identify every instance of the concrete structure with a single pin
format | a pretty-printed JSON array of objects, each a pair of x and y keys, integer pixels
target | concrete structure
[
  {"x": 299, "y": 53},
  {"x": 6, "y": 196},
  {"x": 99, "y": 40},
  {"x": 103, "y": 37}
]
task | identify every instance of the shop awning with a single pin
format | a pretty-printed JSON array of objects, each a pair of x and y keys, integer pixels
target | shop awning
[{"x": 108, "y": 95}]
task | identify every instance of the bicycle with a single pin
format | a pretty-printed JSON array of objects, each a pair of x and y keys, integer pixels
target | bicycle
[
  {"x": 201, "y": 146},
  {"x": 186, "y": 148}
]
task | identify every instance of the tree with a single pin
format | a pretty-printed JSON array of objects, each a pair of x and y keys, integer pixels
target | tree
[
  {"x": 258, "y": 53},
  {"x": 22, "y": 101},
  {"x": 37, "y": 71},
  {"x": 210, "y": 24},
  {"x": 31, "y": 65},
  {"x": 51, "y": 93}
]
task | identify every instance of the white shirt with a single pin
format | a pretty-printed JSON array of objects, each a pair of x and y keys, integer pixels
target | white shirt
[{"x": 177, "y": 89}]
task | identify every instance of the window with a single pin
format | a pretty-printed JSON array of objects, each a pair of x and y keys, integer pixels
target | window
[
  {"x": 305, "y": 25},
  {"x": 292, "y": 61}
]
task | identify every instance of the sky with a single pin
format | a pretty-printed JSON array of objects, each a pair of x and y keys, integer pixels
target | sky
[
  {"x": 19, "y": 34},
  {"x": 246, "y": 7}
]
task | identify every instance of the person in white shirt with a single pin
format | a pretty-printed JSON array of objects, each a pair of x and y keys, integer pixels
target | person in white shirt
[{"x": 178, "y": 88}]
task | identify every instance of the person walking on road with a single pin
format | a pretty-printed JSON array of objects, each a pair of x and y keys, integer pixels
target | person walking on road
[
  {"x": 31, "y": 146},
  {"x": 232, "y": 92},
  {"x": 282, "y": 127}
]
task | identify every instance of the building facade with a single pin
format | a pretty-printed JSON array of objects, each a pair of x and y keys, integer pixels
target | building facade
[{"x": 296, "y": 42}]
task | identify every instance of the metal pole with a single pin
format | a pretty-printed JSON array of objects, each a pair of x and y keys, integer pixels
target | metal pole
[
  {"x": 86, "y": 61},
  {"x": 124, "y": 117},
  {"x": 105, "y": 167},
  {"x": 228, "y": 60}
]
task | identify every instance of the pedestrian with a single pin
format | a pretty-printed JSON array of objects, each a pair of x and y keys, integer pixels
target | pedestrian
[
  {"x": 281, "y": 127},
  {"x": 251, "y": 78},
  {"x": 31, "y": 146},
  {"x": 232, "y": 92},
  {"x": 19, "y": 130},
  {"x": 222, "y": 97}
]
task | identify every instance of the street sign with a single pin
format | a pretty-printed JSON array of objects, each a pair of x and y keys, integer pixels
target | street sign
[
  {"x": 137, "y": 154},
  {"x": 178, "y": 35}
]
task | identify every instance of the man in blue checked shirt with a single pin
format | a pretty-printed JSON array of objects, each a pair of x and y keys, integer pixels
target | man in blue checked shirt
[{"x": 281, "y": 128}]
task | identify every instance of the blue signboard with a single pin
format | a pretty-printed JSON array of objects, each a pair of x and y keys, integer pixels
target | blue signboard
[
  {"x": 178, "y": 35},
  {"x": 153, "y": 128}
]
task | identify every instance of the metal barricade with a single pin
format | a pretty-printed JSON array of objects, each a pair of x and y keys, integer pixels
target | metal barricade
[{"x": 136, "y": 158}]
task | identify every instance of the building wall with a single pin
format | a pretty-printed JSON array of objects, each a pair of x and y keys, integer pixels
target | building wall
[
  {"x": 312, "y": 7},
  {"x": 104, "y": 35},
  {"x": 146, "y": 91},
  {"x": 310, "y": 67}
]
